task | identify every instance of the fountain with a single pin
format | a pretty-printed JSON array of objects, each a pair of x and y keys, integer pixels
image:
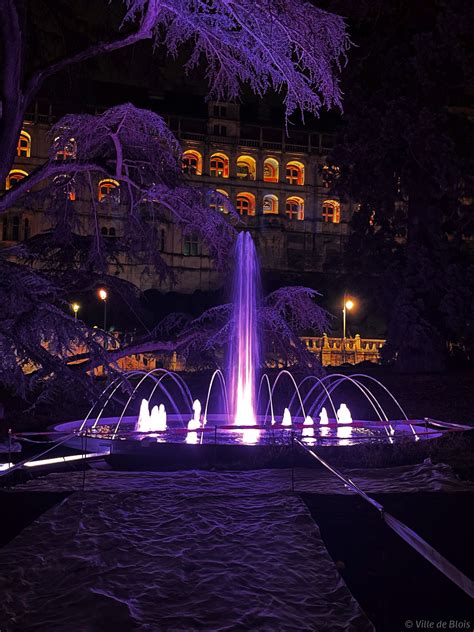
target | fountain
[
  {"x": 244, "y": 348},
  {"x": 248, "y": 415},
  {"x": 194, "y": 423}
]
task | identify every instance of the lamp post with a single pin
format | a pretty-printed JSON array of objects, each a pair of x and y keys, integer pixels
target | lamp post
[
  {"x": 347, "y": 305},
  {"x": 75, "y": 308},
  {"x": 103, "y": 297}
]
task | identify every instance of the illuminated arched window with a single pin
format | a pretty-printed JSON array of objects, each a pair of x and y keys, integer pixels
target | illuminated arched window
[
  {"x": 295, "y": 172},
  {"x": 331, "y": 211},
  {"x": 23, "y": 148},
  {"x": 219, "y": 166},
  {"x": 217, "y": 204},
  {"x": 295, "y": 208},
  {"x": 270, "y": 204},
  {"x": 109, "y": 190},
  {"x": 270, "y": 170},
  {"x": 192, "y": 163},
  {"x": 65, "y": 150},
  {"x": 246, "y": 168},
  {"x": 14, "y": 177},
  {"x": 245, "y": 203}
]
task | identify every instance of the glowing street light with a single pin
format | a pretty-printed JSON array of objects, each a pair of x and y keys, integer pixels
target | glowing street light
[
  {"x": 347, "y": 306},
  {"x": 75, "y": 308},
  {"x": 103, "y": 297}
]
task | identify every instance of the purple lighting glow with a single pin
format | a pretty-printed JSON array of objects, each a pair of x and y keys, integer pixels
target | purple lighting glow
[{"x": 244, "y": 347}]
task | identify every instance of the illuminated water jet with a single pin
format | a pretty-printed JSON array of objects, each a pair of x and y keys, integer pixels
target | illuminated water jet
[
  {"x": 244, "y": 346},
  {"x": 323, "y": 417},
  {"x": 344, "y": 415},
  {"x": 194, "y": 423}
]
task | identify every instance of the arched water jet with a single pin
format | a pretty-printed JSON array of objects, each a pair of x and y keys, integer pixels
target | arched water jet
[
  {"x": 332, "y": 387},
  {"x": 319, "y": 382},
  {"x": 285, "y": 372},
  {"x": 368, "y": 377},
  {"x": 376, "y": 405},
  {"x": 266, "y": 379},
  {"x": 217, "y": 373},
  {"x": 120, "y": 379},
  {"x": 151, "y": 375}
]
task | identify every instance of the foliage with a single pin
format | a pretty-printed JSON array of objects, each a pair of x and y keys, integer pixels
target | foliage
[
  {"x": 283, "y": 316},
  {"x": 284, "y": 45},
  {"x": 411, "y": 169},
  {"x": 36, "y": 336}
]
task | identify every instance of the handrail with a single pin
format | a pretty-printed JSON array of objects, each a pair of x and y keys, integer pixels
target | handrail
[{"x": 401, "y": 529}]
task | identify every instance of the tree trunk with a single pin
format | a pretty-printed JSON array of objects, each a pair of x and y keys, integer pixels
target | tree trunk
[{"x": 13, "y": 103}]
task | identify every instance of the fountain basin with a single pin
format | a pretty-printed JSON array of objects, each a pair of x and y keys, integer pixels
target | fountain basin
[{"x": 223, "y": 445}]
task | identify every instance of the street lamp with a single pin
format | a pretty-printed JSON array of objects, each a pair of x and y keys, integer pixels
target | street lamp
[
  {"x": 103, "y": 297},
  {"x": 347, "y": 305},
  {"x": 75, "y": 308}
]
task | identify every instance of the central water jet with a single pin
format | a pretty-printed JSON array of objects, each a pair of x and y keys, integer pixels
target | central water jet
[{"x": 244, "y": 344}]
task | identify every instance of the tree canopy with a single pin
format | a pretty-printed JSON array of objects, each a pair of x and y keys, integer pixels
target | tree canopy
[
  {"x": 405, "y": 153},
  {"x": 289, "y": 46}
]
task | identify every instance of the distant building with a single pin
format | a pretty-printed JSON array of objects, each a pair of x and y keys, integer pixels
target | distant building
[{"x": 279, "y": 185}]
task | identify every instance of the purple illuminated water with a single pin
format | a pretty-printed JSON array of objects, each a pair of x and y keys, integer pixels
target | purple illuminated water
[{"x": 244, "y": 344}]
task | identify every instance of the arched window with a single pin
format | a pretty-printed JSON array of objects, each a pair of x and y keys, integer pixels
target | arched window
[
  {"x": 219, "y": 166},
  {"x": 245, "y": 203},
  {"x": 295, "y": 173},
  {"x": 26, "y": 228},
  {"x": 5, "y": 229},
  {"x": 217, "y": 204},
  {"x": 14, "y": 177},
  {"x": 65, "y": 150},
  {"x": 331, "y": 211},
  {"x": 23, "y": 148},
  {"x": 270, "y": 204},
  {"x": 109, "y": 190},
  {"x": 112, "y": 232},
  {"x": 270, "y": 170},
  {"x": 104, "y": 230},
  {"x": 246, "y": 168},
  {"x": 192, "y": 163},
  {"x": 295, "y": 208}
]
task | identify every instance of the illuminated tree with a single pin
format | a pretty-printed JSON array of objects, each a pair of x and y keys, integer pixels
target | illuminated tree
[
  {"x": 283, "y": 316},
  {"x": 289, "y": 46}
]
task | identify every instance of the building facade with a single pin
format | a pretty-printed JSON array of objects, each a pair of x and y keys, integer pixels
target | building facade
[{"x": 279, "y": 185}]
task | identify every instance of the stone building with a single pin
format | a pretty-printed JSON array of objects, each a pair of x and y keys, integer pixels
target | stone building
[{"x": 278, "y": 184}]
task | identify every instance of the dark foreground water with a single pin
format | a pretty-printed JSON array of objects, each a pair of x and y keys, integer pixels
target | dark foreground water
[{"x": 185, "y": 551}]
